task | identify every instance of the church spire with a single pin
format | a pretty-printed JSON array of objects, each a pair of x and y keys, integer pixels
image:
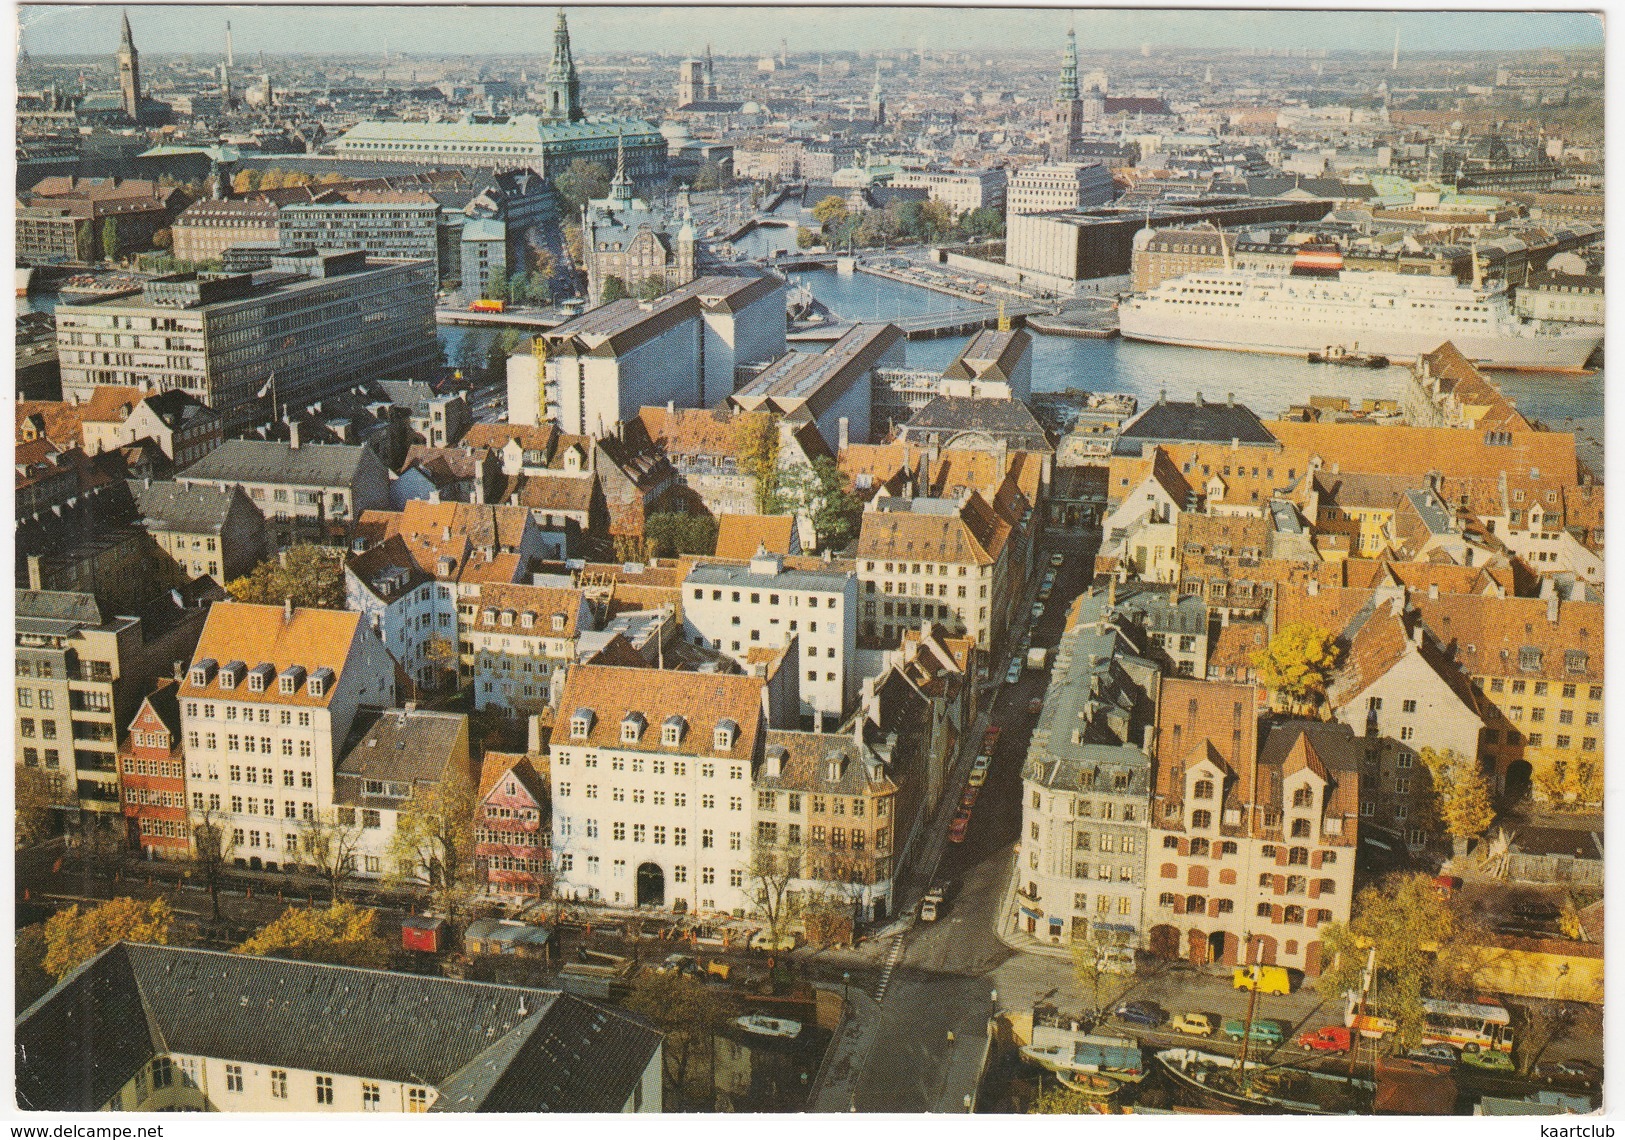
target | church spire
[
  {"x": 1067, "y": 89},
  {"x": 620, "y": 188},
  {"x": 563, "y": 89},
  {"x": 128, "y": 61},
  {"x": 126, "y": 40}
]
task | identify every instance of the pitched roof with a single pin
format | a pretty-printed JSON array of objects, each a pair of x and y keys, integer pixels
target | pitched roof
[
  {"x": 991, "y": 354},
  {"x": 936, "y": 530},
  {"x": 408, "y": 745},
  {"x": 704, "y": 700},
  {"x": 550, "y": 491},
  {"x": 1201, "y": 421},
  {"x": 1399, "y": 449},
  {"x": 63, "y": 420},
  {"x": 531, "y": 437},
  {"x": 694, "y": 431},
  {"x": 189, "y": 510},
  {"x": 1010, "y": 420},
  {"x": 519, "y": 599},
  {"x": 804, "y": 764},
  {"x": 484, "y": 1047},
  {"x": 496, "y": 765},
  {"x": 738, "y": 536},
  {"x": 239, "y": 631},
  {"x": 272, "y": 461}
]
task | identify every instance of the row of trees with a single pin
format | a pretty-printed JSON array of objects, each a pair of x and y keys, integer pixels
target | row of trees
[{"x": 911, "y": 222}]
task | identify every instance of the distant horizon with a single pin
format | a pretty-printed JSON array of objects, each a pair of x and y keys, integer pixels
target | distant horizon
[{"x": 449, "y": 31}]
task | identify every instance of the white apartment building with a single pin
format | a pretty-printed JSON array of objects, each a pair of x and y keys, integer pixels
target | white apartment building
[
  {"x": 959, "y": 190},
  {"x": 737, "y": 609},
  {"x": 1059, "y": 186},
  {"x": 265, "y": 708},
  {"x": 522, "y": 637},
  {"x": 651, "y": 776},
  {"x": 685, "y": 348}
]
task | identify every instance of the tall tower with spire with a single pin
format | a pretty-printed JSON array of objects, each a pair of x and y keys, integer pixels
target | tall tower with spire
[
  {"x": 562, "y": 90},
  {"x": 226, "y": 99},
  {"x": 129, "y": 73},
  {"x": 1066, "y": 117},
  {"x": 877, "y": 101},
  {"x": 710, "y": 75}
]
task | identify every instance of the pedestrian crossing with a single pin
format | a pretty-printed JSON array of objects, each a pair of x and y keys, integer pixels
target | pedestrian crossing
[{"x": 891, "y": 964}]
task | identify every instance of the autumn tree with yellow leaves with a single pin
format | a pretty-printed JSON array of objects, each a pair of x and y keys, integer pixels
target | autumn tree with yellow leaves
[
  {"x": 342, "y": 934},
  {"x": 74, "y": 936},
  {"x": 1297, "y": 665}
]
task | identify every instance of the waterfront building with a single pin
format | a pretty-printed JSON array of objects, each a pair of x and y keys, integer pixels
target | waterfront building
[
  {"x": 267, "y": 704},
  {"x": 651, "y": 775},
  {"x": 388, "y": 226},
  {"x": 509, "y": 140},
  {"x": 391, "y": 756},
  {"x": 626, "y": 239},
  {"x": 251, "y": 345},
  {"x": 833, "y": 388},
  {"x": 1059, "y": 186},
  {"x": 959, "y": 190},
  {"x": 740, "y": 610},
  {"x": 1086, "y": 787},
  {"x": 1161, "y": 254},
  {"x": 208, "y": 1031},
  {"x": 1254, "y": 829},
  {"x": 207, "y": 228}
]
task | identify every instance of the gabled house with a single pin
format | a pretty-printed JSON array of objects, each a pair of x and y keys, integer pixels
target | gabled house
[{"x": 513, "y": 826}]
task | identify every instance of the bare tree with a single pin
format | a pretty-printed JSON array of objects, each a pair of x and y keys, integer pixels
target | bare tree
[
  {"x": 771, "y": 871},
  {"x": 329, "y": 843},
  {"x": 434, "y": 843},
  {"x": 212, "y": 849},
  {"x": 103, "y": 848}
]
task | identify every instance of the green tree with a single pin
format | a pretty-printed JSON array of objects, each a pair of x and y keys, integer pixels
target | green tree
[
  {"x": 830, "y": 212},
  {"x": 245, "y": 181},
  {"x": 342, "y": 934},
  {"x": 434, "y": 843},
  {"x": 109, "y": 239},
  {"x": 805, "y": 238},
  {"x": 756, "y": 436},
  {"x": 309, "y": 575},
  {"x": 84, "y": 240},
  {"x": 73, "y": 937},
  {"x": 614, "y": 289},
  {"x": 984, "y": 221},
  {"x": 1297, "y": 664},
  {"x": 651, "y": 287},
  {"x": 496, "y": 288},
  {"x": 161, "y": 238},
  {"x": 936, "y": 221},
  {"x": 670, "y": 533},
  {"x": 581, "y": 181},
  {"x": 690, "y": 1014},
  {"x": 542, "y": 263},
  {"x": 1423, "y": 948},
  {"x": 768, "y": 875},
  {"x": 573, "y": 247},
  {"x": 820, "y": 492},
  {"x": 1459, "y": 794}
]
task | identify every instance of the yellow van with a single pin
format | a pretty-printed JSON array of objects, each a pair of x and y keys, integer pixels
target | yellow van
[{"x": 1269, "y": 979}]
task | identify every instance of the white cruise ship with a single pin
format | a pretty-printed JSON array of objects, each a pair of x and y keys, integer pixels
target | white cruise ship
[{"x": 1317, "y": 308}]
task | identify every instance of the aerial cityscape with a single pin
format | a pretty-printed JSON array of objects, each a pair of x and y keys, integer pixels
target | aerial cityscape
[{"x": 845, "y": 560}]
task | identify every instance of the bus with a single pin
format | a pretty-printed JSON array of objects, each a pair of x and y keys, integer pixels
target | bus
[{"x": 1477, "y": 1025}]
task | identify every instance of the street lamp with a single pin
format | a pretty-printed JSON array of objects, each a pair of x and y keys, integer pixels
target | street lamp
[{"x": 846, "y": 982}]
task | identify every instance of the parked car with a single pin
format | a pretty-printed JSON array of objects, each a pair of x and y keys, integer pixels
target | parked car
[
  {"x": 679, "y": 964},
  {"x": 1196, "y": 1024},
  {"x": 1146, "y": 1013},
  {"x": 1265, "y": 1031},
  {"x": 968, "y": 800},
  {"x": 1013, "y": 674},
  {"x": 1035, "y": 706},
  {"x": 932, "y": 904},
  {"x": 1269, "y": 979},
  {"x": 1491, "y": 1060},
  {"x": 1043, "y": 596},
  {"x": 956, "y": 829},
  {"x": 764, "y": 940},
  {"x": 1057, "y": 560},
  {"x": 990, "y": 737},
  {"x": 1326, "y": 1039},
  {"x": 1434, "y": 1051},
  {"x": 1038, "y": 610},
  {"x": 978, "y": 775},
  {"x": 1573, "y": 1072}
]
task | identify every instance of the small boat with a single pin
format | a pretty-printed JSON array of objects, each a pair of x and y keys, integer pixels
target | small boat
[
  {"x": 1337, "y": 354},
  {"x": 1073, "y": 1054},
  {"x": 765, "y": 1026},
  {"x": 1218, "y": 1081},
  {"x": 1090, "y": 1084}
]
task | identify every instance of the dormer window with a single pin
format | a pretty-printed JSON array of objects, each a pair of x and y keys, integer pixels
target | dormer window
[
  {"x": 231, "y": 674},
  {"x": 203, "y": 671},
  {"x": 671, "y": 732},
  {"x": 724, "y": 735},
  {"x": 490, "y": 617},
  {"x": 319, "y": 682},
  {"x": 835, "y": 769},
  {"x": 632, "y": 725},
  {"x": 292, "y": 677},
  {"x": 527, "y": 620},
  {"x": 259, "y": 677},
  {"x": 507, "y": 617},
  {"x": 581, "y": 724},
  {"x": 559, "y": 622},
  {"x": 1529, "y": 659}
]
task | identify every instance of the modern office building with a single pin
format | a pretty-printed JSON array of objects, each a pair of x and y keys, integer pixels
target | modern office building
[
  {"x": 251, "y": 345},
  {"x": 388, "y": 226},
  {"x": 1059, "y": 186}
]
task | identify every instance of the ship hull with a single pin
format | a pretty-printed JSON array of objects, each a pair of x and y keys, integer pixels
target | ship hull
[
  {"x": 1223, "y": 1099},
  {"x": 1567, "y": 353}
]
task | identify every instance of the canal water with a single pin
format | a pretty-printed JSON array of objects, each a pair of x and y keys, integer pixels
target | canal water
[{"x": 1267, "y": 384}]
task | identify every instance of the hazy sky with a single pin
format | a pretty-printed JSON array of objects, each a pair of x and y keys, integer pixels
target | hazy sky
[{"x": 49, "y": 29}]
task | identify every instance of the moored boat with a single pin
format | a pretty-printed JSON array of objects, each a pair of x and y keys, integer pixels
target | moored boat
[
  {"x": 765, "y": 1026},
  {"x": 1218, "y": 1081},
  {"x": 1072, "y": 1054}
]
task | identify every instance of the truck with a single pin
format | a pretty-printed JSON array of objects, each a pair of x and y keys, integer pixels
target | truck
[
  {"x": 487, "y": 306},
  {"x": 1037, "y": 658}
]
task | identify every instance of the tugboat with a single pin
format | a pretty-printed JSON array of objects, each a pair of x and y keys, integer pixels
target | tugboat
[
  {"x": 1337, "y": 354},
  {"x": 1224, "y": 1082}
]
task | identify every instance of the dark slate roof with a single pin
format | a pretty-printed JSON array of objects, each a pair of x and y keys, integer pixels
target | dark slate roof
[
  {"x": 410, "y": 746},
  {"x": 190, "y": 510},
  {"x": 1011, "y": 419},
  {"x": 485, "y": 1047},
  {"x": 177, "y": 409},
  {"x": 270, "y": 461},
  {"x": 1199, "y": 422},
  {"x": 58, "y": 605}
]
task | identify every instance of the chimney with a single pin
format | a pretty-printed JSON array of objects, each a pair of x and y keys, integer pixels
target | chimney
[
  {"x": 287, "y": 609},
  {"x": 1312, "y": 587},
  {"x": 445, "y": 534},
  {"x": 533, "y": 736},
  {"x": 1199, "y": 400},
  {"x": 1148, "y": 739},
  {"x": 1433, "y": 591},
  {"x": 1418, "y": 632},
  {"x": 1552, "y": 604},
  {"x": 1111, "y": 591},
  {"x": 293, "y": 434},
  {"x": 1229, "y": 399},
  {"x": 671, "y": 407},
  {"x": 1235, "y": 443},
  {"x": 1162, "y": 396},
  {"x": 179, "y": 670},
  {"x": 842, "y": 431}
]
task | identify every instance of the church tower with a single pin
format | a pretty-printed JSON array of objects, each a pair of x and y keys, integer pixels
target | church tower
[
  {"x": 562, "y": 89},
  {"x": 1066, "y": 117},
  {"x": 129, "y": 73},
  {"x": 710, "y": 75},
  {"x": 877, "y": 101}
]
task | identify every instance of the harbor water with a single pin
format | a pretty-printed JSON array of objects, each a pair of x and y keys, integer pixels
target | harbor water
[{"x": 1266, "y": 384}]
